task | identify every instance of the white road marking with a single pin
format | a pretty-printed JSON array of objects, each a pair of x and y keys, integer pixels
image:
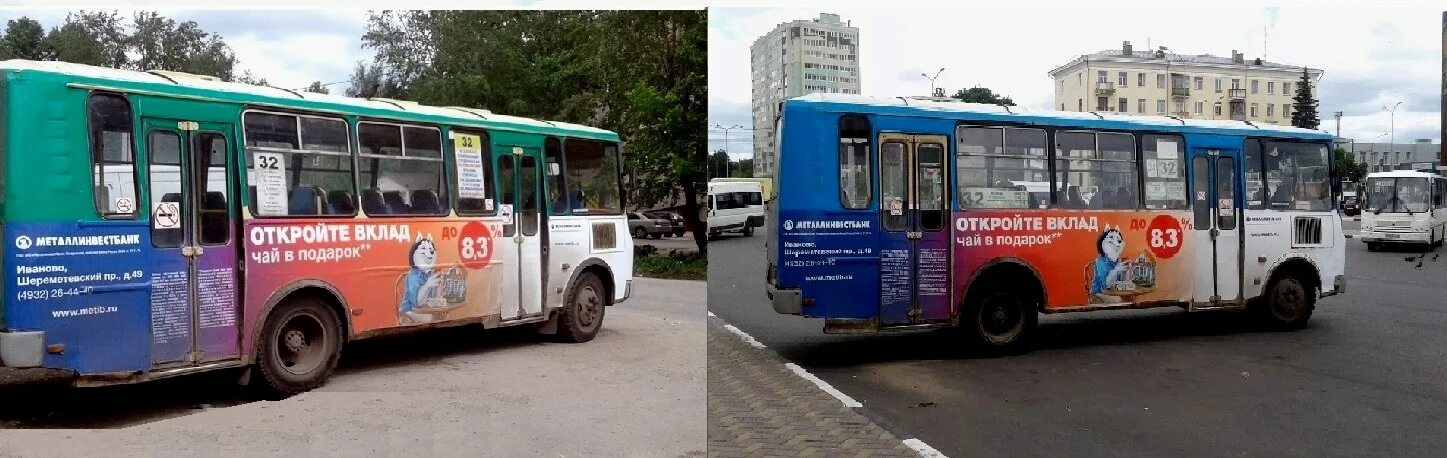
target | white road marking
[
  {"x": 923, "y": 449},
  {"x": 823, "y": 385},
  {"x": 748, "y": 339}
]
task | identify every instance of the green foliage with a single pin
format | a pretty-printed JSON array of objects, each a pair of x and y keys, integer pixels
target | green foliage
[
  {"x": 639, "y": 73},
  {"x": 24, "y": 39},
  {"x": 676, "y": 265},
  {"x": 743, "y": 168},
  {"x": 982, "y": 95},
  {"x": 1347, "y": 165},
  {"x": 318, "y": 88},
  {"x": 1304, "y": 104},
  {"x": 102, "y": 38}
]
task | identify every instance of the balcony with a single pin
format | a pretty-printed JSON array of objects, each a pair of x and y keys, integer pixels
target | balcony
[
  {"x": 1236, "y": 94},
  {"x": 1104, "y": 88},
  {"x": 1181, "y": 114}
]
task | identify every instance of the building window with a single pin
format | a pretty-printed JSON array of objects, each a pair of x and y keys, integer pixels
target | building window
[
  {"x": 1270, "y": 110},
  {"x": 1079, "y": 79},
  {"x": 1160, "y": 81},
  {"x": 1285, "y": 110},
  {"x": 1123, "y": 79},
  {"x": 1102, "y": 104},
  {"x": 1199, "y": 82},
  {"x": 1101, "y": 76},
  {"x": 1160, "y": 107},
  {"x": 997, "y": 162},
  {"x": 312, "y": 154},
  {"x": 112, "y": 155},
  {"x": 1141, "y": 105},
  {"x": 1200, "y": 107},
  {"x": 1286, "y": 88},
  {"x": 1141, "y": 79},
  {"x": 1217, "y": 111},
  {"x": 1255, "y": 86},
  {"x": 1079, "y": 104},
  {"x": 1270, "y": 87},
  {"x": 1235, "y": 83},
  {"x": 1097, "y": 170},
  {"x": 1180, "y": 107},
  {"x": 1253, "y": 110},
  {"x": 1218, "y": 85},
  {"x": 1124, "y": 105}
]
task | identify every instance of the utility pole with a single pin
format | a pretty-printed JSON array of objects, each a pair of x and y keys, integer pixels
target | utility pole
[
  {"x": 932, "y": 80},
  {"x": 1338, "y": 123},
  {"x": 727, "y": 157},
  {"x": 1393, "y": 125}
]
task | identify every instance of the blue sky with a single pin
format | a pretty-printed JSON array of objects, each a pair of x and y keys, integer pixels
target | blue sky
[{"x": 1371, "y": 56}]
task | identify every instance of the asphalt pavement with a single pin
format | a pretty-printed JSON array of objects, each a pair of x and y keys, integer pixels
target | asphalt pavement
[
  {"x": 635, "y": 390},
  {"x": 1367, "y": 377}
]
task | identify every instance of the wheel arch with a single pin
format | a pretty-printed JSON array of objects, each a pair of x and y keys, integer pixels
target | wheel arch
[
  {"x": 1302, "y": 266},
  {"x": 598, "y": 267},
  {"x": 308, "y": 287},
  {"x": 1005, "y": 267}
]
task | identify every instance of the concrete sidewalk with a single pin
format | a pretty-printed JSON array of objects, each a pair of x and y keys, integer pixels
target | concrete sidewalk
[{"x": 759, "y": 407}]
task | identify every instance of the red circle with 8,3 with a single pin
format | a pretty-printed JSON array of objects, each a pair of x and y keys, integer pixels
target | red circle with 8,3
[
  {"x": 474, "y": 245},
  {"x": 1165, "y": 237}
]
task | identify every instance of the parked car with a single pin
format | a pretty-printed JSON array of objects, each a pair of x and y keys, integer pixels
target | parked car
[
  {"x": 1351, "y": 206},
  {"x": 642, "y": 226},
  {"x": 676, "y": 219}
]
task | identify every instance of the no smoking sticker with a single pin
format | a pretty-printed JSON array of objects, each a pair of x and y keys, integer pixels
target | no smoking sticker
[
  {"x": 123, "y": 205},
  {"x": 167, "y": 215}
]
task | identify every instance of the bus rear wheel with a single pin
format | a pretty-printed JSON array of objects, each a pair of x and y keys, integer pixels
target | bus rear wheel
[
  {"x": 582, "y": 316},
  {"x": 748, "y": 231},
  {"x": 1287, "y": 303},
  {"x": 1000, "y": 318},
  {"x": 299, "y": 347}
]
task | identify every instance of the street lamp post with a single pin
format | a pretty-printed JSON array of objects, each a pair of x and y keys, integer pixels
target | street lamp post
[
  {"x": 1393, "y": 131},
  {"x": 932, "y": 80},
  {"x": 727, "y": 157}
]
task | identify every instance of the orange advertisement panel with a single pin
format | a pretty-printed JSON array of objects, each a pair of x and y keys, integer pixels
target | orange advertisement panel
[
  {"x": 1082, "y": 257},
  {"x": 389, "y": 273}
]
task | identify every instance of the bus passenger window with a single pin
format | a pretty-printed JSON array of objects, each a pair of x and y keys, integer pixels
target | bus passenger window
[
  {"x": 855, "y": 187},
  {"x": 404, "y": 164},
  {"x": 113, "y": 158},
  {"x": 474, "y": 164},
  {"x": 1096, "y": 170},
  {"x": 930, "y": 186},
  {"x": 163, "y": 149},
  {"x": 892, "y": 196},
  {"x": 557, "y": 203},
  {"x": 1201, "y": 184},
  {"x": 1296, "y": 175},
  {"x": 310, "y": 159},
  {"x": 592, "y": 179},
  {"x": 1001, "y": 168},
  {"x": 1164, "y": 165}
]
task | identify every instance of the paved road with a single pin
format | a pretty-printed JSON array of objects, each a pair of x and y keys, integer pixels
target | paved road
[
  {"x": 636, "y": 390},
  {"x": 1367, "y": 377}
]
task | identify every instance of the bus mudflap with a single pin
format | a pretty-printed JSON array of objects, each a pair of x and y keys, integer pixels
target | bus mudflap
[
  {"x": 1339, "y": 285},
  {"x": 788, "y": 301}
]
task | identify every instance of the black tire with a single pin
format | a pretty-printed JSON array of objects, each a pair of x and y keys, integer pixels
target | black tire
[
  {"x": 582, "y": 316},
  {"x": 299, "y": 347},
  {"x": 1373, "y": 246},
  {"x": 1000, "y": 317},
  {"x": 748, "y": 231},
  {"x": 656, "y": 236},
  {"x": 678, "y": 233},
  {"x": 1286, "y": 303},
  {"x": 639, "y": 233}
]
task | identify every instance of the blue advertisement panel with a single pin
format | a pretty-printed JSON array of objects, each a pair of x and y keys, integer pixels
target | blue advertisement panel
[
  {"x": 85, "y": 284},
  {"x": 831, "y": 257}
]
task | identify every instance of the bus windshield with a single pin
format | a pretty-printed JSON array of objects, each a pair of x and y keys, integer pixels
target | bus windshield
[{"x": 1397, "y": 195}]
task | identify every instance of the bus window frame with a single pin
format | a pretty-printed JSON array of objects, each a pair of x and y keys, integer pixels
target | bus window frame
[
  {"x": 1333, "y": 193},
  {"x": 871, "y": 159},
  {"x": 617, "y": 172},
  {"x": 1184, "y": 156},
  {"x": 1138, "y": 169},
  {"x": 358, "y": 155},
  {"x": 952, "y": 151},
  {"x": 97, "y": 157},
  {"x": 246, "y": 151},
  {"x": 450, "y": 157},
  {"x": 562, "y": 178}
]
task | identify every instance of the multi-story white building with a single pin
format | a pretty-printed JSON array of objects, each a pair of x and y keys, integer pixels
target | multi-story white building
[
  {"x": 1157, "y": 82},
  {"x": 797, "y": 58},
  {"x": 1381, "y": 157}
]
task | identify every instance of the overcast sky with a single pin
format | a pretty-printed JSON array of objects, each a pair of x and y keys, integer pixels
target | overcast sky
[
  {"x": 288, "y": 48},
  {"x": 1371, "y": 56}
]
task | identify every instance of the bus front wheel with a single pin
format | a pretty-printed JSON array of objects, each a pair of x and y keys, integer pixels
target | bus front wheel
[
  {"x": 582, "y": 316},
  {"x": 299, "y": 346},
  {"x": 1287, "y": 304},
  {"x": 1000, "y": 318}
]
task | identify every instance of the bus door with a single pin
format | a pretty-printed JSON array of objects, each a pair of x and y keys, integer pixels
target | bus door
[
  {"x": 914, "y": 215},
  {"x": 194, "y": 279},
  {"x": 1217, "y": 222},
  {"x": 519, "y": 174}
]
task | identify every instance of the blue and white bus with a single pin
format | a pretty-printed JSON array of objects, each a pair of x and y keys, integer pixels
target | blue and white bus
[{"x": 893, "y": 213}]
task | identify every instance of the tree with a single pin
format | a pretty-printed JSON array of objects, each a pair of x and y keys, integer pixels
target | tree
[
  {"x": 367, "y": 82},
  {"x": 160, "y": 43},
  {"x": 24, "y": 39},
  {"x": 318, "y": 88},
  {"x": 1347, "y": 165},
  {"x": 73, "y": 43},
  {"x": 1304, "y": 103},
  {"x": 718, "y": 164},
  {"x": 250, "y": 78},
  {"x": 743, "y": 168},
  {"x": 982, "y": 95}
]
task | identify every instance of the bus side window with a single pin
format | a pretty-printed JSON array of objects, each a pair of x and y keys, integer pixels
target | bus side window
[
  {"x": 592, "y": 178},
  {"x": 1257, "y": 190},
  {"x": 1165, "y": 171},
  {"x": 855, "y": 173},
  {"x": 113, "y": 158},
  {"x": 476, "y": 198},
  {"x": 556, "y": 184},
  {"x": 315, "y": 161}
]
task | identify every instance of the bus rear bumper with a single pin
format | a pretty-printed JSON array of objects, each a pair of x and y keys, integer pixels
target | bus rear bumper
[
  {"x": 20, "y": 357},
  {"x": 788, "y": 301}
]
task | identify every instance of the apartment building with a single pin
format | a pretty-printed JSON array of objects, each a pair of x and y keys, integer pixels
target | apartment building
[
  {"x": 798, "y": 58},
  {"x": 1161, "y": 83},
  {"x": 1381, "y": 157}
]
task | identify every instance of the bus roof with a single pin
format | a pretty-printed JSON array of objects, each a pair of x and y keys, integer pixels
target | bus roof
[
  {"x": 980, "y": 111},
  {"x": 1402, "y": 174},
  {"x": 200, "y": 86}
]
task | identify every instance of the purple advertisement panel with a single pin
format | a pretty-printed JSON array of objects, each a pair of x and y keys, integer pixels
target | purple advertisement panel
[
  {"x": 932, "y": 275},
  {"x": 215, "y": 305},
  {"x": 170, "y": 306},
  {"x": 217, "y": 316}
]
